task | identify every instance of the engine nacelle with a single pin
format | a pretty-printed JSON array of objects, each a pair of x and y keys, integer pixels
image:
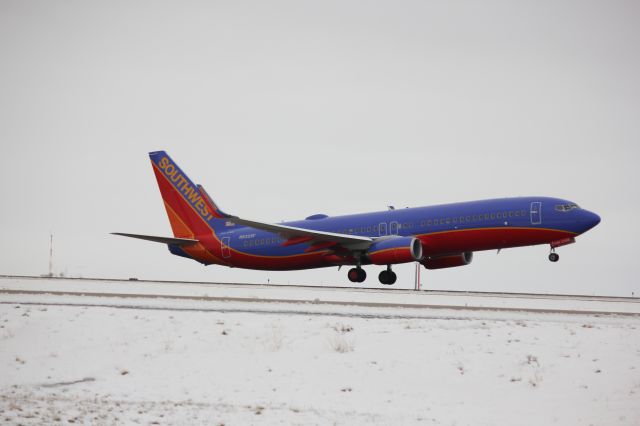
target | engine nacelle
[
  {"x": 448, "y": 261},
  {"x": 395, "y": 250}
]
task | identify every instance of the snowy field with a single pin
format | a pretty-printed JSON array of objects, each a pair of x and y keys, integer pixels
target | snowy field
[{"x": 105, "y": 360}]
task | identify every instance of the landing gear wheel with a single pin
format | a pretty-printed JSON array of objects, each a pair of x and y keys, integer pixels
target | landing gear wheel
[
  {"x": 387, "y": 277},
  {"x": 362, "y": 275},
  {"x": 353, "y": 275},
  {"x": 357, "y": 275},
  {"x": 554, "y": 257}
]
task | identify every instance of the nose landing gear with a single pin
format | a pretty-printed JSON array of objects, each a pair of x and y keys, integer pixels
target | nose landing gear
[{"x": 387, "y": 277}]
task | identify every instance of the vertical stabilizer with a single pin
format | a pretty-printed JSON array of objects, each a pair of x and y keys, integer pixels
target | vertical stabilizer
[{"x": 191, "y": 212}]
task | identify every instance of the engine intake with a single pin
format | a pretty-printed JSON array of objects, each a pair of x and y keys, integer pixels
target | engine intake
[
  {"x": 395, "y": 250},
  {"x": 448, "y": 261}
]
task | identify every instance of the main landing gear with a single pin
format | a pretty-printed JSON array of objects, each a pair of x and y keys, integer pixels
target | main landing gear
[
  {"x": 357, "y": 275},
  {"x": 387, "y": 277},
  {"x": 553, "y": 256}
]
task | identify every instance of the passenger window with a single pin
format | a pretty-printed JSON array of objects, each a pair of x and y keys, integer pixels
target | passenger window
[
  {"x": 468, "y": 219},
  {"x": 493, "y": 215},
  {"x": 455, "y": 220},
  {"x": 448, "y": 220},
  {"x": 510, "y": 213},
  {"x": 486, "y": 216},
  {"x": 475, "y": 217}
]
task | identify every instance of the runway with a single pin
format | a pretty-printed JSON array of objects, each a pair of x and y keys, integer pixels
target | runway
[{"x": 279, "y": 298}]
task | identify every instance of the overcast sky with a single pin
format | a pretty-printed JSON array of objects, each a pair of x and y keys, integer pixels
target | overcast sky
[{"x": 283, "y": 109}]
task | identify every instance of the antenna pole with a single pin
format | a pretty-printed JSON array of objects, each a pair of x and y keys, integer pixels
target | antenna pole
[
  {"x": 51, "y": 257},
  {"x": 417, "y": 284}
]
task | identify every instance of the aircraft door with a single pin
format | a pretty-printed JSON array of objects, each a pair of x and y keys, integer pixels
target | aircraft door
[
  {"x": 536, "y": 213},
  {"x": 382, "y": 228},
  {"x": 393, "y": 228},
  {"x": 224, "y": 245}
]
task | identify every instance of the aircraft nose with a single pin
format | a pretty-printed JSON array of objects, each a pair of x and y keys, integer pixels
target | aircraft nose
[{"x": 589, "y": 220}]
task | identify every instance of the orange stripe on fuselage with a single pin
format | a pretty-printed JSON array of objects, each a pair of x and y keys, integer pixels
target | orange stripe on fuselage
[{"x": 201, "y": 252}]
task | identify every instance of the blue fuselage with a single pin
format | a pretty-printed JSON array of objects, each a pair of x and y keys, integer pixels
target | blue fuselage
[{"x": 507, "y": 222}]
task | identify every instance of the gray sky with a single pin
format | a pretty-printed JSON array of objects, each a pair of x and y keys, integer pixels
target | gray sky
[{"x": 287, "y": 108}]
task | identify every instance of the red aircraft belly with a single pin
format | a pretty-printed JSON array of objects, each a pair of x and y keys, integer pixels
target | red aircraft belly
[{"x": 458, "y": 241}]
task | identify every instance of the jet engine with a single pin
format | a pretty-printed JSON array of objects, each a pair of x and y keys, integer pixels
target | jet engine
[
  {"x": 448, "y": 261},
  {"x": 395, "y": 250}
]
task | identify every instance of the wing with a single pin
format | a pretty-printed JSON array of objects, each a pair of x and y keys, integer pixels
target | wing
[
  {"x": 352, "y": 242},
  {"x": 294, "y": 234}
]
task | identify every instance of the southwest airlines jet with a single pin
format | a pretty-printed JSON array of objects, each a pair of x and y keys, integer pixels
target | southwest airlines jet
[{"x": 441, "y": 236}]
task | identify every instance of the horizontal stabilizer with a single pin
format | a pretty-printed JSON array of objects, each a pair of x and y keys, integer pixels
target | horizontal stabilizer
[{"x": 164, "y": 240}]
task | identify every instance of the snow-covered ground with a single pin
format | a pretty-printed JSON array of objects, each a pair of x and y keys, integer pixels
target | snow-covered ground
[{"x": 104, "y": 360}]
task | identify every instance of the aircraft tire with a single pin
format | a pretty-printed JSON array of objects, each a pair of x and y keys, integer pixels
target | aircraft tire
[
  {"x": 387, "y": 277},
  {"x": 554, "y": 257}
]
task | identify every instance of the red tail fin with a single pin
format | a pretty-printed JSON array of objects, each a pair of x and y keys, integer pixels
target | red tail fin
[{"x": 191, "y": 212}]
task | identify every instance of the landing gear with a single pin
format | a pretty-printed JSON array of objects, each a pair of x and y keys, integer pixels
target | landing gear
[
  {"x": 553, "y": 256},
  {"x": 357, "y": 275},
  {"x": 387, "y": 277}
]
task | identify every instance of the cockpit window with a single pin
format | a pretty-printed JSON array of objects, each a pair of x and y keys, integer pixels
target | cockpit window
[{"x": 566, "y": 207}]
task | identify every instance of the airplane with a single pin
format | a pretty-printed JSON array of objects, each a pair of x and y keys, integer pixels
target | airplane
[{"x": 441, "y": 236}]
